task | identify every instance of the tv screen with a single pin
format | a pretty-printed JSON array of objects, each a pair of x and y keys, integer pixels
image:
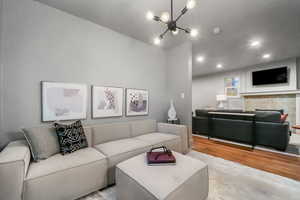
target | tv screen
[{"x": 270, "y": 76}]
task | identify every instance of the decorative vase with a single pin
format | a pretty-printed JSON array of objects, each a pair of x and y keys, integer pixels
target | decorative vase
[{"x": 172, "y": 111}]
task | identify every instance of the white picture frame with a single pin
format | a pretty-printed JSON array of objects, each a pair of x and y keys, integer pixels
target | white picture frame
[
  {"x": 63, "y": 101},
  {"x": 137, "y": 102},
  {"x": 232, "y": 87},
  {"x": 107, "y": 102}
]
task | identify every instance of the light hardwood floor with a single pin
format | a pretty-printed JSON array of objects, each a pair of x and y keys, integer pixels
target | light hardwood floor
[{"x": 283, "y": 165}]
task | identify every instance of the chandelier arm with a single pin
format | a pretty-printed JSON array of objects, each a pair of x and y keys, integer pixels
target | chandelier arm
[
  {"x": 183, "y": 11},
  {"x": 179, "y": 16},
  {"x": 164, "y": 33},
  {"x": 183, "y": 29},
  {"x": 156, "y": 18},
  {"x": 163, "y": 22}
]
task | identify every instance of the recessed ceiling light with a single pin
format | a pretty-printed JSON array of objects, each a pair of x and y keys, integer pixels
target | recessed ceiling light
[
  {"x": 219, "y": 66},
  {"x": 200, "y": 59},
  {"x": 255, "y": 43},
  {"x": 217, "y": 30},
  {"x": 266, "y": 56}
]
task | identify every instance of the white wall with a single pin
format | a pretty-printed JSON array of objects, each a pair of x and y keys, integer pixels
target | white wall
[
  {"x": 205, "y": 88},
  {"x": 45, "y": 44}
]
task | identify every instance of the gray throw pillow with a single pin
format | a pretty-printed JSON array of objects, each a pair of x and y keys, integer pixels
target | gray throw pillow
[{"x": 43, "y": 142}]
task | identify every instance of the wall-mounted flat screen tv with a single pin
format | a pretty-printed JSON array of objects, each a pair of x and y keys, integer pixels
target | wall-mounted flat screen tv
[{"x": 270, "y": 76}]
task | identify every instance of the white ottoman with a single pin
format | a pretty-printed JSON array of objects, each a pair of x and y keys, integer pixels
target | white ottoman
[{"x": 187, "y": 180}]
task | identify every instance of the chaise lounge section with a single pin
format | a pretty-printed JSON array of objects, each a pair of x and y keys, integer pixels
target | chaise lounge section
[{"x": 86, "y": 170}]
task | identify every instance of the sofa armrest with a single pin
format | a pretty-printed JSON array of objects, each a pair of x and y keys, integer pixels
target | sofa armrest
[
  {"x": 276, "y": 135},
  {"x": 200, "y": 125},
  {"x": 14, "y": 163},
  {"x": 179, "y": 130}
]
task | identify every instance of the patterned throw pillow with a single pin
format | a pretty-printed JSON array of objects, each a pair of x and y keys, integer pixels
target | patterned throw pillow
[{"x": 71, "y": 137}]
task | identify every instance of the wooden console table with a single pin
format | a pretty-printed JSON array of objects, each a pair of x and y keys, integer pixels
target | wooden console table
[
  {"x": 296, "y": 127},
  {"x": 250, "y": 115}
]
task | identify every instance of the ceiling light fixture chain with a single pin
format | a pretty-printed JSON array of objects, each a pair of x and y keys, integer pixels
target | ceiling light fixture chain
[{"x": 171, "y": 23}]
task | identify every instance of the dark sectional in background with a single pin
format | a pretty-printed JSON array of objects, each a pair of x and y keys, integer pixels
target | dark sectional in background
[{"x": 258, "y": 128}]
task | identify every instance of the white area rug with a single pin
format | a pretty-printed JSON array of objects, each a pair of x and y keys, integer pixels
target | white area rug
[{"x": 232, "y": 181}]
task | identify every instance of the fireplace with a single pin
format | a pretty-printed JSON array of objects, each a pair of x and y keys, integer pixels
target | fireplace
[{"x": 287, "y": 102}]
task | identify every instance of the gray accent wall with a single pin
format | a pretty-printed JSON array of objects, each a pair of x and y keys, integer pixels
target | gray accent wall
[
  {"x": 179, "y": 80},
  {"x": 41, "y": 43},
  {"x": 1, "y": 70}
]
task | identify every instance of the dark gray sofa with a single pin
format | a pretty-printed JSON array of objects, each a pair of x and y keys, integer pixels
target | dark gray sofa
[{"x": 267, "y": 128}]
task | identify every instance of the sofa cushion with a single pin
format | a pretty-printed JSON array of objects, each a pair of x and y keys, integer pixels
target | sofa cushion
[
  {"x": 120, "y": 150},
  {"x": 59, "y": 162},
  {"x": 109, "y": 132},
  {"x": 66, "y": 177},
  {"x": 142, "y": 127},
  {"x": 43, "y": 142},
  {"x": 268, "y": 116},
  {"x": 155, "y": 138},
  {"x": 88, "y": 135},
  {"x": 271, "y": 110},
  {"x": 173, "y": 142},
  {"x": 202, "y": 112},
  {"x": 118, "y": 147},
  {"x": 71, "y": 137}
]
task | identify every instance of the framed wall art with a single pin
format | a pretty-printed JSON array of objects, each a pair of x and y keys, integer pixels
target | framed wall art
[
  {"x": 137, "y": 102},
  {"x": 232, "y": 87},
  {"x": 107, "y": 102},
  {"x": 63, "y": 101}
]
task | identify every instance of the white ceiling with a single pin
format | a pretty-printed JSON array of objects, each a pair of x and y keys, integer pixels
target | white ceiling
[{"x": 275, "y": 22}]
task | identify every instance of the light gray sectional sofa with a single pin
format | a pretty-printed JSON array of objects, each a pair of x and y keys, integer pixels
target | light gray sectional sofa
[{"x": 82, "y": 172}]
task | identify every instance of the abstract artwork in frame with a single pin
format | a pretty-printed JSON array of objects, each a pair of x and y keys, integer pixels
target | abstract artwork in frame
[
  {"x": 107, "y": 102},
  {"x": 137, "y": 102},
  {"x": 63, "y": 101},
  {"x": 232, "y": 87}
]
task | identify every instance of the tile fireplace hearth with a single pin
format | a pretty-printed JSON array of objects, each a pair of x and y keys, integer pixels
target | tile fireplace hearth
[{"x": 287, "y": 102}]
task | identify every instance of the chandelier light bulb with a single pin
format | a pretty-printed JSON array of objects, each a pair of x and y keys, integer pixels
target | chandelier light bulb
[
  {"x": 175, "y": 32},
  {"x": 150, "y": 15},
  {"x": 190, "y": 4},
  {"x": 194, "y": 32},
  {"x": 156, "y": 41},
  {"x": 165, "y": 17}
]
